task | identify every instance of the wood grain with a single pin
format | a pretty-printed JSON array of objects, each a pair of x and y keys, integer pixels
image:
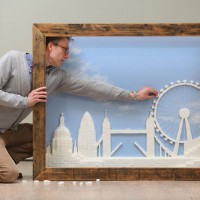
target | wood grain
[
  {"x": 63, "y": 30},
  {"x": 39, "y": 110},
  {"x": 40, "y": 32}
]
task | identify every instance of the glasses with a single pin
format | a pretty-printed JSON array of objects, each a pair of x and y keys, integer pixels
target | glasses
[{"x": 66, "y": 49}]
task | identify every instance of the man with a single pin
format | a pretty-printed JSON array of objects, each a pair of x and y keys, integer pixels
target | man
[{"x": 17, "y": 99}]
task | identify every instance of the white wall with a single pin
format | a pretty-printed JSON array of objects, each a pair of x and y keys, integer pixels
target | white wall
[{"x": 17, "y": 16}]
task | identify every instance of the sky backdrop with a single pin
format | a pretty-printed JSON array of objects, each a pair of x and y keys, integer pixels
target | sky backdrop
[{"x": 130, "y": 63}]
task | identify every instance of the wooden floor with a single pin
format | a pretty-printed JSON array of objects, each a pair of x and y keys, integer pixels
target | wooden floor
[{"x": 27, "y": 189}]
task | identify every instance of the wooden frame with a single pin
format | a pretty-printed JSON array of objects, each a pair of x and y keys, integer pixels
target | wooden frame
[{"x": 40, "y": 32}]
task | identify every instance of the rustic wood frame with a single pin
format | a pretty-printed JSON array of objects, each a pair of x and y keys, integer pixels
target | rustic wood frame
[{"x": 40, "y": 32}]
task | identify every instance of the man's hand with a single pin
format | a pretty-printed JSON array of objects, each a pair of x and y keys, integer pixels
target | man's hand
[
  {"x": 37, "y": 95},
  {"x": 144, "y": 94}
]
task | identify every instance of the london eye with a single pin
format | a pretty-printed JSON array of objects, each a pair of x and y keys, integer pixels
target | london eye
[{"x": 177, "y": 112}]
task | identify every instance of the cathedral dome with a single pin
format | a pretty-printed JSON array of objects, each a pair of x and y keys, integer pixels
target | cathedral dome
[{"x": 62, "y": 131}]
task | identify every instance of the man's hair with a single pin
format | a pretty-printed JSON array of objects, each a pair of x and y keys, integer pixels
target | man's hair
[{"x": 55, "y": 40}]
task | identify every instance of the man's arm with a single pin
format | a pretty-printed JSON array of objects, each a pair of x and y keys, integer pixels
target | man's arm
[{"x": 102, "y": 91}]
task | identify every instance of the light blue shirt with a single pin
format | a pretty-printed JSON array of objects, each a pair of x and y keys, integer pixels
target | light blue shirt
[{"x": 29, "y": 59}]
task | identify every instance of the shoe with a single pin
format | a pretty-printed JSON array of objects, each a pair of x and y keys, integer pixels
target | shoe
[{"x": 20, "y": 176}]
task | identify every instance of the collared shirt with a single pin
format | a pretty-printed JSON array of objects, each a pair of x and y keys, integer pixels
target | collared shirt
[{"x": 29, "y": 59}]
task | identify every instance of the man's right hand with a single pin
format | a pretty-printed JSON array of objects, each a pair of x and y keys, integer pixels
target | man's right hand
[{"x": 37, "y": 95}]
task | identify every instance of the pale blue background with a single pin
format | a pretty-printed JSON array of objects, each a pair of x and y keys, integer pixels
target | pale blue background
[{"x": 130, "y": 63}]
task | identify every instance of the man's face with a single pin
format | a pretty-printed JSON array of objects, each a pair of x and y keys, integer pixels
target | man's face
[{"x": 57, "y": 53}]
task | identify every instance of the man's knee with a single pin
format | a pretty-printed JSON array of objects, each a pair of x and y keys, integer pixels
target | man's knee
[{"x": 9, "y": 175}]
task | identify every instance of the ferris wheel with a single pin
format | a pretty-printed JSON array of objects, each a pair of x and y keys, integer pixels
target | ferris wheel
[{"x": 176, "y": 112}]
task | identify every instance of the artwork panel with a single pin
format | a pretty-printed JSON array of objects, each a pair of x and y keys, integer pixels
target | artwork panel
[{"x": 130, "y": 62}]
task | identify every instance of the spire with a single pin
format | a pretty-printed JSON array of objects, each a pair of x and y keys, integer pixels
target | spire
[
  {"x": 62, "y": 120},
  {"x": 106, "y": 113}
]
